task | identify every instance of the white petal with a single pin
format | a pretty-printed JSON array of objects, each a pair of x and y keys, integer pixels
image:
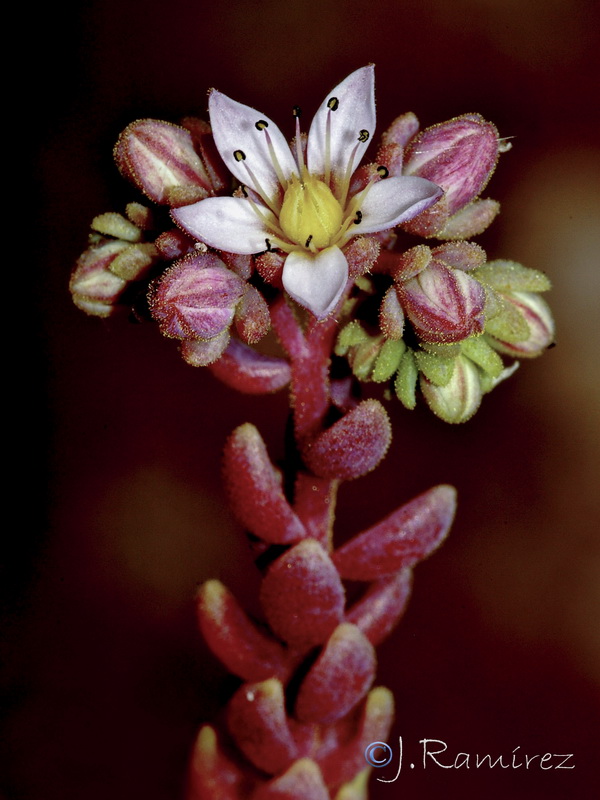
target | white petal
[
  {"x": 226, "y": 223},
  {"x": 394, "y": 200},
  {"x": 316, "y": 281},
  {"x": 355, "y": 113},
  {"x": 234, "y": 129}
]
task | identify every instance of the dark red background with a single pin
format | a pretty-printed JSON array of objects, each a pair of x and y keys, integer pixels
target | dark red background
[{"x": 107, "y": 678}]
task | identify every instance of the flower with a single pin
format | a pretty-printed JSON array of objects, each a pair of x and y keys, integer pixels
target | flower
[{"x": 305, "y": 204}]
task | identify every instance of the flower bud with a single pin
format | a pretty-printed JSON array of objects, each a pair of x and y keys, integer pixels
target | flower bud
[
  {"x": 252, "y": 318},
  {"x": 460, "y": 398},
  {"x": 540, "y": 325},
  {"x": 196, "y": 298},
  {"x": 95, "y": 289},
  {"x": 159, "y": 158},
  {"x": 458, "y": 155},
  {"x": 443, "y": 304}
]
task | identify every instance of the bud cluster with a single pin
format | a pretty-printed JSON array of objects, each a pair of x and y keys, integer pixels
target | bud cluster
[{"x": 306, "y": 711}]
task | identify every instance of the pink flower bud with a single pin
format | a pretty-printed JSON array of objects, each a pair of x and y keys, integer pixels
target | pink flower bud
[
  {"x": 444, "y": 304},
  {"x": 196, "y": 298},
  {"x": 95, "y": 289},
  {"x": 251, "y": 372},
  {"x": 257, "y": 720},
  {"x": 406, "y": 536},
  {"x": 460, "y": 398},
  {"x": 244, "y": 648},
  {"x": 302, "y": 595},
  {"x": 159, "y": 158},
  {"x": 458, "y": 155},
  {"x": 538, "y": 317},
  {"x": 255, "y": 490},
  {"x": 354, "y": 445},
  {"x": 339, "y": 678}
]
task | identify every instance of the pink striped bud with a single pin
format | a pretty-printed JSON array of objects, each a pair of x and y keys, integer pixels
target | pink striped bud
[
  {"x": 536, "y": 314},
  {"x": 159, "y": 158},
  {"x": 444, "y": 304},
  {"x": 458, "y": 155},
  {"x": 302, "y": 595},
  {"x": 196, "y": 298}
]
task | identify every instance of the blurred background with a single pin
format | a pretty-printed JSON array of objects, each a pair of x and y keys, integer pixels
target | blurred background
[{"x": 107, "y": 679}]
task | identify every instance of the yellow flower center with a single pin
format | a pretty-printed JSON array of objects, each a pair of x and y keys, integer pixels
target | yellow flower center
[{"x": 310, "y": 215}]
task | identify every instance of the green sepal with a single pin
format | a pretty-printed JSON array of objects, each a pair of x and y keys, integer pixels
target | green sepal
[
  {"x": 507, "y": 324},
  {"x": 388, "y": 360},
  {"x": 437, "y": 369},
  {"x": 406, "y": 380},
  {"x": 510, "y": 276},
  {"x": 362, "y": 357},
  {"x": 479, "y": 351},
  {"x": 352, "y": 334}
]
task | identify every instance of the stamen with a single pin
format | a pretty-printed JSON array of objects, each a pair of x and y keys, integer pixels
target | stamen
[
  {"x": 347, "y": 175},
  {"x": 268, "y": 243},
  {"x": 258, "y": 188},
  {"x": 363, "y": 136},
  {"x": 383, "y": 171},
  {"x": 274, "y": 159},
  {"x": 358, "y": 218},
  {"x": 308, "y": 241},
  {"x": 333, "y": 103},
  {"x": 261, "y": 124},
  {"x": 328, "y": 143},
  {"x": 297, "y": 112},
  {"x": 239, "y": 155}
]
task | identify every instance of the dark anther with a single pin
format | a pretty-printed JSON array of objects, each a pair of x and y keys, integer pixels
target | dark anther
[
  {"x": 261, "y": 124},
  {"x": 239, "y": 155},
  {"x": 358, "y": 218},
  {"x": 269, "y": 248},
  {"x": 383, "y": 171},
  {"x": 297, "y": 111},
  {"x": 308, "y": 241},
  {"x": 333, "y": 103},
  {"x": 244, "y": 190},
  {"x": 363, "y": 136}
]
